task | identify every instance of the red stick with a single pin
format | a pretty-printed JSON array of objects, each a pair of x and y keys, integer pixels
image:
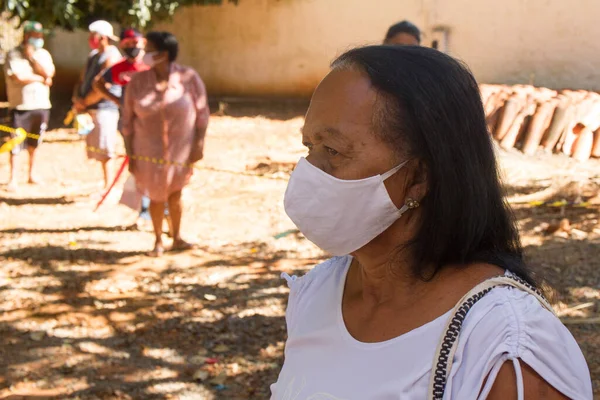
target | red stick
[{"x": 121, "y": 169}]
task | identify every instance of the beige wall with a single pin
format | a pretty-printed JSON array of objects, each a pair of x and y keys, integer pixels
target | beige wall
[
  {"x": 508, "y": 41},
  {"x": 279, "y": 47},
  {"x": 284, "y": 47}
]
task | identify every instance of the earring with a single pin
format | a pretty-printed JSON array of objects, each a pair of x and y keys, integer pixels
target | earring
[{"x": 411, "y": 203}]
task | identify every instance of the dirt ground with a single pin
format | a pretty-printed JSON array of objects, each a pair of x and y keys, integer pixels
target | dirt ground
[{"x": 85, "y": 314}]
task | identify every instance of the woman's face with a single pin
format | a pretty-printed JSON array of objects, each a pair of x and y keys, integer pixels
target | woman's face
[
  {"x": 150, "y": 47},
  {"x": 157, "y": 56},
  {"x": 340, "y": 134}
]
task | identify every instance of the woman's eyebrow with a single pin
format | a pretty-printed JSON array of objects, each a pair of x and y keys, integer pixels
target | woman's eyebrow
[
  {"x": 327, "y": 130},
  {"x": 331, "y": 133}
]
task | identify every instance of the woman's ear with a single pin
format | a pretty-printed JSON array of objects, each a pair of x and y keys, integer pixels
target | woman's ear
[
  {"x": 418, "y": 186},
  {"x": 410, "y": 182}
]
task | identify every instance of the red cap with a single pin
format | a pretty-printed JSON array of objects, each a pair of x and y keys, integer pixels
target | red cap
[{"x": 130, "y": 34}]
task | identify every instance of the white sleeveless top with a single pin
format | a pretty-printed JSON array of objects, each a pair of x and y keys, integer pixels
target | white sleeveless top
[{"x": 324, "y": 362}]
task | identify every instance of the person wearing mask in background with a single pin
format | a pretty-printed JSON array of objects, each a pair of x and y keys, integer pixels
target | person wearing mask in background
[
  {"x": 112, "y": 83},
  {"x": 29, "y": 71},
  {"x": 403, "y": 33},
  {"x": 165, "y": 116},
  {"x": 114, "y": 79},
  {"x": 105, "y": 113}
]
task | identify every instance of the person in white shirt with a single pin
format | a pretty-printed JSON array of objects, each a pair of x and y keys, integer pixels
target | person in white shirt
[
  {"x": 427, "y": 296},
  {"x": 101, "y": 141},
  {"x": 29, "y": 71}
]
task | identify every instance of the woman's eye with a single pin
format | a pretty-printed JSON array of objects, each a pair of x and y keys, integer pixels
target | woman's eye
[{"x": 331, "y": 151}]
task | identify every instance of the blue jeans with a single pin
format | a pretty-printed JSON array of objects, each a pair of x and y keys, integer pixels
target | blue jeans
[{"x": 145, "y": 211}]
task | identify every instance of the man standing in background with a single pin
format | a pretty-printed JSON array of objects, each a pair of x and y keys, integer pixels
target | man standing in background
[
  {"x": 101, "y": 141},
  {"x": 29, "y": 70}
]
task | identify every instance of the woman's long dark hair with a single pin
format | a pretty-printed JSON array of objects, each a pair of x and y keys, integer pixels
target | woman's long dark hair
[
  {"x": 164, "y": 41},
  {"x": 432, "y": 105}
]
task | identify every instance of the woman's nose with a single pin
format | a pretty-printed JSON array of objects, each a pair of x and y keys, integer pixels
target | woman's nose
[{"x": 314, "y": 160}]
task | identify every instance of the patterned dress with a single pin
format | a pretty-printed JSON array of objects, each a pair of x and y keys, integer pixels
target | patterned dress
[{"x": 164, "y": 124}]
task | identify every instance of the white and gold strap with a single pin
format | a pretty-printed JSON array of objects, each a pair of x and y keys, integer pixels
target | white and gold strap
[{"x": 444, "y": 354}]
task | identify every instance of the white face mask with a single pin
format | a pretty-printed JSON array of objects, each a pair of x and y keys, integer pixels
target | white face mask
[
  {"x": 148, "y": 59},
  {"x": 340, "y": 216},
  {"x": 37, "y": 43}
]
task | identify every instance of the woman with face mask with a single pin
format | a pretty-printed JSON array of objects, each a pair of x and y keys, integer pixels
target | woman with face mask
[
  {"x": 112, "y": 82},
  {"x": 428, "y": 296},
  {"x": 165, "y": 116}
]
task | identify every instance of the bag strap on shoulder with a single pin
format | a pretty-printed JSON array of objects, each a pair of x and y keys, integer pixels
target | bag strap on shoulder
[{"x": 444, "y": 354}]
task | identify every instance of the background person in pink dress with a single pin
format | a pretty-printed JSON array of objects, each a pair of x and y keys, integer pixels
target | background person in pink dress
[{"x": 165, "y": 116}]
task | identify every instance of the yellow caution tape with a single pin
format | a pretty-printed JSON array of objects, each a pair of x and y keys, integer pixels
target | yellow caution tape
[
  {"x": 536, "y": 203},
  {"x": 21, "y": 135},
  {"x": 558, "y": 203}
]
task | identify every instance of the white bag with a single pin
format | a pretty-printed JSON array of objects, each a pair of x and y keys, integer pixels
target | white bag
[
  {"x": 131, "y": 197},
  {"x": 84, "y": 124}
]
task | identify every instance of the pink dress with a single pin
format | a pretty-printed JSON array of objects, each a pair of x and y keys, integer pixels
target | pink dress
[{"x": 164, "y": 125}]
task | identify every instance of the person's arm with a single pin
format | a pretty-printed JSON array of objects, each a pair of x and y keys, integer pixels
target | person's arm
[
  {"x": 91, "y": 98},
  {"x": 44, "y": 66},
  {"x": 94, "y": 96},
  {"x": 103, "y": 88},
  {"x": 534, "y": 386},
  {"x": 202, "y": 115},
  {"x": 13, "y": 73},
  {"x": 127, "y": 119},
  {"x": 76, "y": 99},
  {"x": 103, "y": 84},
  {"x": 26, "y": 79}
]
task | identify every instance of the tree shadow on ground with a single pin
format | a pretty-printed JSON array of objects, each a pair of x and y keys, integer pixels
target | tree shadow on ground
[
  {"x": 131, "y": 227},
  {"x": 569, "y": 267},
  {"x": 71, "y": 138},
  {"x": 141, "y": 336},
  {"x": 540, "y": 219},
  {"x": 512, "y": 190},
  {"x": 562, "y": 262},
  {"x": 13, "y": 201},
  {"x": 35, "y": 255},
  {"x": 538, "y": 207}
]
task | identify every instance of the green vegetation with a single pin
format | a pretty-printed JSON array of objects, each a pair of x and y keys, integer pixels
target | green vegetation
[{"x": 71, "y": 14}]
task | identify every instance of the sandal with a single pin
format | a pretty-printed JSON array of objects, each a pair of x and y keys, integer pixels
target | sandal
[
  {"x": 158, "y": 251},
  {"x": 182, "y": 245}
]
